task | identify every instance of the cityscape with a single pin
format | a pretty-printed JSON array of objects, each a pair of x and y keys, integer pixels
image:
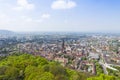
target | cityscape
[
  {"x": 92, "y": 53},
  {"x": 59, "y": 39}
]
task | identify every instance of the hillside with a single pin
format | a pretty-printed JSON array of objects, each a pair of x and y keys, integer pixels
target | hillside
[{"x": 29, "y": 67}]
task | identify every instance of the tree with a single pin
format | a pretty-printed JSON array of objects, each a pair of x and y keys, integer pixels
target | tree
[
  {"x": 12, "y": 73},
  {"x": 102, "y": 77}
]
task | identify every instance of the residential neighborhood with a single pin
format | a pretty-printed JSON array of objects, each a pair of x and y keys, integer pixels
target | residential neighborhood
[{"x": 79, "y": 52}]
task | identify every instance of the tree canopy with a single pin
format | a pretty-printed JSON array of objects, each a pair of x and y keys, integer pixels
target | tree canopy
[{"x": 29, "y": 67}]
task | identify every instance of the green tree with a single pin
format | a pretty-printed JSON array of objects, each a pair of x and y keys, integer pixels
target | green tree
[{"x": 102, "y": 77}]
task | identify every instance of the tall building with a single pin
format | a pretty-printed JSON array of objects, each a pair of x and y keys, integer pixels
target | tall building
[{"x": 63, "y": 46}]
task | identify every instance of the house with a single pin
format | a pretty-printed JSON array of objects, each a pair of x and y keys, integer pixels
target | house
[
  {"x": 62, "y": 60},
  {"x": 93, "y": 56}
]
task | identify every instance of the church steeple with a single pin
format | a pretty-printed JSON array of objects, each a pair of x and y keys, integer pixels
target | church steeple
[{"x": 63, "y": 46}]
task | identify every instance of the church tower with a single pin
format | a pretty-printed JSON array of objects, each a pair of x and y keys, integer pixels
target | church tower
[{"x": 63, "y": 46}]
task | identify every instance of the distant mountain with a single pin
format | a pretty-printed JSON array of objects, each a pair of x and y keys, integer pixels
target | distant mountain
[{"x": 5, "y": 32}]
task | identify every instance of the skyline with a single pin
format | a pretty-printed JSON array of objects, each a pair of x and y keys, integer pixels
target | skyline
[{"x": 60, "y": 15}]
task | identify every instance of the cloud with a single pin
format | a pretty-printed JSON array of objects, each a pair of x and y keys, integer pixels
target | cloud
[
  {"x": 45, "y": 16},
  {"x": 3, "y": 16},
  {"x": 24, "y": 4},
  {"x": 63, "y": 4}
]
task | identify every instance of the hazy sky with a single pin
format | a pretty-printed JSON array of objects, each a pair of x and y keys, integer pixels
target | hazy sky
[{"x": 60, "y": 15}]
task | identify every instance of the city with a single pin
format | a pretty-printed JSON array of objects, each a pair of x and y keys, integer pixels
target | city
[
  {"x": 90, "y": 53},
  {"x": 59, "y": 39}
]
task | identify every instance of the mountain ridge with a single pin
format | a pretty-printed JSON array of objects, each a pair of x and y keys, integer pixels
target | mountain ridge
[{"x": 6, "y": 32}]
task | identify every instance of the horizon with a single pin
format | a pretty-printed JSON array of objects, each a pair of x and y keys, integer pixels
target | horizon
[
  {"x": 57, "y": 32},
  {"x": 60, "y": 16}
]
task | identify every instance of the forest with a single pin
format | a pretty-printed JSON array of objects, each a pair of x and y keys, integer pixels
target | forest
[{"x": 29, "y": 67}]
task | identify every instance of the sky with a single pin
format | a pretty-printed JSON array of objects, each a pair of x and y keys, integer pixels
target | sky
[{"x": 60, "y": 15}]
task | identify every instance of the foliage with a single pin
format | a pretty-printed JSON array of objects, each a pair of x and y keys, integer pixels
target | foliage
[
  {"x": 29, "y": 67},
  {"x": 114, "y": 73},
  {"x": 99, "y": 69},
  {"x": 102, "y": 77}
]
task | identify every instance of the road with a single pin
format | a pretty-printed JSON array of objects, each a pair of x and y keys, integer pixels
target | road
[{"x": 104, "y": 67}]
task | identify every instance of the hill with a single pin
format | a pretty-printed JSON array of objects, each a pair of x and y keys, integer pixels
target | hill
[
  {"x": 29, "y": 67},
  {"x": 5, "y": 32}
]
